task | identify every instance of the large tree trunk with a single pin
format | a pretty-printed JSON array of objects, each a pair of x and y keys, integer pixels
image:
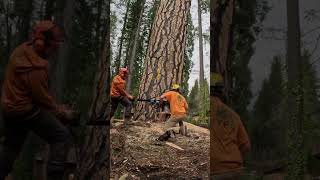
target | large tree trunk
[
  {"x": 222, "y": 13},
  {"x": 134, "y": 47},
  {"x": 296, "y": 162},
  {"x": 65, "y": 18},
  {"x": 164, "y": 60},
  {"x": 200, "y": 44},
  {"x": 95, "y": 153},
  {"x": 118, "y": 60}
]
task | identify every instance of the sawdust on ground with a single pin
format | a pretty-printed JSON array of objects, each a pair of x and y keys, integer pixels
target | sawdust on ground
[{"x": 137, "y": 155}]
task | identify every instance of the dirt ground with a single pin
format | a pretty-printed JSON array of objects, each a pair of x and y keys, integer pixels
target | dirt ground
[{"x": 137, "y": 155}]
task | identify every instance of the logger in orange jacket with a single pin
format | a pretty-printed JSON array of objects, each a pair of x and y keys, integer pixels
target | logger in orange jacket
[
  {"x": 178, "y": 110},
  {"x": 229, "y": 139},
  {"x": 119, "y": 94},
  {"x": 27, "y": 105}
]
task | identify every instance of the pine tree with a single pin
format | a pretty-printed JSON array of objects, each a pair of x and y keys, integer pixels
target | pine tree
[{"x": 193, "y": 99}]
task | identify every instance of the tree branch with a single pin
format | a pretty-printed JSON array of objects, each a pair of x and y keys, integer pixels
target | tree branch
[{"x": 310, "y": 31}]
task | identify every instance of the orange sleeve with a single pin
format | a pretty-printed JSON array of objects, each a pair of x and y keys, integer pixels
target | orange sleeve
[
  {"x": 168, "y": 95},
  {"x": 243, "y": 138},
  {"x": 38, "y": 81}
]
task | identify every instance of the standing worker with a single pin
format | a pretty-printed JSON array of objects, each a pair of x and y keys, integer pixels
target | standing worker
[
  {"x": 119, "y": 94},
  {"x": 229, "y": 139},
  {"x": 178, "y": 110},
  {"x": 27, "y": 105}
]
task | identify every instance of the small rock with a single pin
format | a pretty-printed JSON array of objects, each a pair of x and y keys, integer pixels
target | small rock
[{"x": 148, "y": 124}]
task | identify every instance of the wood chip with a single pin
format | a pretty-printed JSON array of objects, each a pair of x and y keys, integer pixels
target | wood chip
[{"x": 174, "y": 146}]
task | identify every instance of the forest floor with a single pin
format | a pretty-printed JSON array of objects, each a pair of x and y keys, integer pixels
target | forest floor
[{"x": 137, "y": 155}]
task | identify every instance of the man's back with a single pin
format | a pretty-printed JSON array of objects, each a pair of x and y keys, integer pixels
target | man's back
[
  {"x": 228, "y": 135},
  {"x": 178, "y": 104}
]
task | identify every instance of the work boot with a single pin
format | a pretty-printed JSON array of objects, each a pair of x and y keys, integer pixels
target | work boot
[
  {"x": 164, "y": 137},
  {"x": 186, "y": 131},
  {"x": 181, "y": 130}
]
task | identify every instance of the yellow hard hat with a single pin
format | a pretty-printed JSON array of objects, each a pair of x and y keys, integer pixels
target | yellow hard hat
[
  {"x": 175, "y": 86},
  {"x": 216, "y": 79}
]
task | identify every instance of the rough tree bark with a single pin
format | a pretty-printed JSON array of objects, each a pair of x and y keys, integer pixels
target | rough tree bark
[
  {"x": 296, "y": 162},
  {"x": 164, "y": 59},
  {"x": 134, "y": 47},
  {"x": 222, "y": 12},
  {"x": 95, "y": 152},
  {"x": 65, "y": 18}
]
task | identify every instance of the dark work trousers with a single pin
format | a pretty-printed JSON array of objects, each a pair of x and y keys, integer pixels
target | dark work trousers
[
  {"x": 124, "y": 101},
  {"x": 45, "y": 126}
]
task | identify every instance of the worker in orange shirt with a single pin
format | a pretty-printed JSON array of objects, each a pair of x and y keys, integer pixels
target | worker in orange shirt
[
  {"x": 28, "y": 106},
  {"x": 178, "y": 110},
  {"x": 119, "y": 94},
  {"x": 229, "y": 139}
]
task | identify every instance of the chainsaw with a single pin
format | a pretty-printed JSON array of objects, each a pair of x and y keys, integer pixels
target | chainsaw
[
  {"x": 162, "y": 108},
  {"x": 165, "y": 106}
]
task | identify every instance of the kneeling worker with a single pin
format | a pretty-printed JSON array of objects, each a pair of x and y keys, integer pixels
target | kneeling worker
[{"x": 178, "y": 110}]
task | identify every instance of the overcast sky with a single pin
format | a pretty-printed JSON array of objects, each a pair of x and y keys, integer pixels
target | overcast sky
[
  {"x": 266, "y": 48},
  {"x": 206, "y": 48}
]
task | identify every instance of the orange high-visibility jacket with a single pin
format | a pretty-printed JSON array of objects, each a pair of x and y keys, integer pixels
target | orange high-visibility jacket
[
  {"x": 227, "y": 135},
  {"x": 26, "y": 82},
  {"x": 118, "y": 87},
  {"x": 178, "y": 104}
]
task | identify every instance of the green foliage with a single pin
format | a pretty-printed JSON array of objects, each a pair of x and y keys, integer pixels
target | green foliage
[
  {"x": 199, "y": 100},
  {"x": 248, "y": 13},
  {"x": 311, "y": 105},
  {"x": 84, "y": 58},
  {"x": 205, "y": 5},
  {"x": 193, "y": 99},
  {"x": 187, "y": 66},
  {"x": 199, "y": 121},
  {"x": 135, "y": 8},
  {"x": 204, "y": 99},
  {"x": 267, "y": 125}
]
